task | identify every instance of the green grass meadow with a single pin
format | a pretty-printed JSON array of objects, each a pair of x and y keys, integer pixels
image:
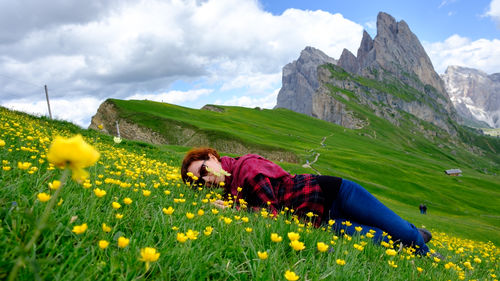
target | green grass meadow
[{"x": 398, "y": 165}]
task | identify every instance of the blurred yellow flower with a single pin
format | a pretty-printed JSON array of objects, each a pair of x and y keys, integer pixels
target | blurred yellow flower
[
  {"x": 392, "y": 264},
  {"x": 99, "y": 192},
  {"x": 340, "y": 262},
  {"x": 127, "y": 201},
  {"x": 192, "y": 235},
  {"x": 100, "y": 126},
  {"x": 168, "y": 211},
  {"x": 276, "y": 238},
  {"x": 227, "y": 220},
  {"x": 2, "y": 143},
  {"x": 477, "y": 260},
  {"x": 181, "y": 237},
  {"x": 75, "y": 153},
  {"x": 106, "y": 228},
  {"x": 208, "y": 230},
  {"x": 322, "y": 247},
  {"x": 23, "y": 165},
  {"x": 248, "y": 229},
  {"x": 103, "y": 244},
  {"x": 293, "y": 236},
  {"x": 79, "y": 229},
  {"x": 358, "y": 228},
  {"x": 119, "y": 216},
  {"x": 215, "y": 211},
  {"x": 54, "y": 185},
  {"x": 201, "y": 212},
  {"x": 390, "y": 252},
  {"x": 291, "y": 276},
  {"x": 43, "y": 197},
  {"x": 123, "y": 242},
  {"x": 189, "y": 215},
  {"x": 146, "y": 192},
  {"x": 297, "y": 245},
  {"x": 148, "y": 255},
  {"x": 116, "y": 205},
  {"x": 262, "y": 255},
  {"x": 419, "y": 269}
]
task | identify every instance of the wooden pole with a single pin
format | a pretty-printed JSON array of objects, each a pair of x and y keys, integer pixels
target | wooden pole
[{"x": 48, "y": 103}]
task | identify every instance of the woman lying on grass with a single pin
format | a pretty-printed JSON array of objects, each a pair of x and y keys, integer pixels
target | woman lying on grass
[{"x": 261, "y": 183}]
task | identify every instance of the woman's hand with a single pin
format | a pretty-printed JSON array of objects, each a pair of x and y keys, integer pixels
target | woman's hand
[{"x": 219, "y": 204}]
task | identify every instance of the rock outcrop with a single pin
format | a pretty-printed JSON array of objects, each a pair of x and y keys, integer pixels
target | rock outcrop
[
  {"x": 394, "y": 57},
  {"x": 300, "y": 80},
  {"x": 475, "y": 95}
]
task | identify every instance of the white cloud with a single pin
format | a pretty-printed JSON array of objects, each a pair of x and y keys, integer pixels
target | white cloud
[
  {"x": 481, "y": 54},
  {"x": 175, "y": 97},
  {"x": 77, "y": 110},
  {"x": 144, "y": 46},
  {"x": 494, "y": 11},
  {"x": 267, "y": 101}
]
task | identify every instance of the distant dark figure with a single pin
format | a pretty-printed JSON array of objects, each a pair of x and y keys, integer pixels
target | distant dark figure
[
  {"x": 421, "y": 208},
  {"x": 424, "y": 209}
]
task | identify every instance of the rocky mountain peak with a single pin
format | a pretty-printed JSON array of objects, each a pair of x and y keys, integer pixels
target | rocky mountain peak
[
  {"x": 475, "y": 95},
  {"x": 300, "y": 80},
  {"x": 395, "y": 49}
]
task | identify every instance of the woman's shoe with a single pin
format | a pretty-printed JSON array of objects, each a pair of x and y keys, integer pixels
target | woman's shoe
[{"x": 426, "y": 234}]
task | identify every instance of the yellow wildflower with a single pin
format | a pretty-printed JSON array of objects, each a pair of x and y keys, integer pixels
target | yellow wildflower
[
  {"x": 227, "y": 220},
  {"x": 291, "y": 276},
  {"x": 181, "y": 237},
  {"x": 123, "y": 242},
  {"x": 127, "y": 201},
  {"x": 146, "y": 192},
  {"x": 201, "y": 212},
  {"x": 148, "y": 255},
  {"x": 43, "y": 197},
  {"x": 103, "y": 244},
  {"x": 358, "y": 228},
  {"x": 119, "y": 216},
  {"x": 208, "y": 230},
  {"x": 116, "y": 205},
  {"x": 248, "y": 229},
  {"x": 340, "y": 262},
  {"x": 99, "y": 192},
  {"x": 106, "y": 228},
  {"x": 2, "y": 143},
  {"x": 75, "y": 153},
  {"x": 391, "y": 252},
  {"x": 293, "y": 236},
  {"x": 192, "y": 235},
  {"x": 262, "y": 255},
  {"x": 322, "y": 247},
  {"x": 168, "y": 211},
  {"x": 392, "y": 264},
  {"x": 276, "y": 238},
  {"x": 79, "y": 229},
  {"x": 297, "y": 245},
  {"x": 54, "y": 185},
  {"x": 189, "y": 215}
]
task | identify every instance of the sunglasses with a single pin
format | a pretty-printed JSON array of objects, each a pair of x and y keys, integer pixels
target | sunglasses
[
  {"x": 203, "y": 169},
  {"x": 202, "y": 172}
]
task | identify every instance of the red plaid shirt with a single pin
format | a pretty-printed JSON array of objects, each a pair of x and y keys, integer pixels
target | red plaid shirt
[{"x": 300, "y": 192}]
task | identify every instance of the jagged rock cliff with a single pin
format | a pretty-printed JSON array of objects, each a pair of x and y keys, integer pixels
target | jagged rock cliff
[
  {"x": 475, "y": 95},
  {"x": 300, "y": 80},
  {"x": 395, "y": 56}
]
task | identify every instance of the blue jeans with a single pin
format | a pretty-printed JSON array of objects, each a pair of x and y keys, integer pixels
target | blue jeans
[{"x": 357, "y": 205}]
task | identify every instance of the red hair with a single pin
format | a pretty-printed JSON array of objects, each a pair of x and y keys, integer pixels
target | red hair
[{"x": 195, "y": 154}]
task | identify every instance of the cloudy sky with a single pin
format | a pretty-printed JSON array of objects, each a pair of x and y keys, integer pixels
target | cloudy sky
[{"x": 195, "y": 52}]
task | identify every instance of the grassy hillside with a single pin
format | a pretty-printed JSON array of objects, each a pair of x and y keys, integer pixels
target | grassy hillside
[
  {"x": 399, "y": 165},
  {"x": 134, "y": 200}
]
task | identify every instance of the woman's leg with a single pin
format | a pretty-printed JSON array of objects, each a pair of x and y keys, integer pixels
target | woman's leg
[
  {"x": 356, "y": 204},
  {"x": 348, "y": 227}
]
